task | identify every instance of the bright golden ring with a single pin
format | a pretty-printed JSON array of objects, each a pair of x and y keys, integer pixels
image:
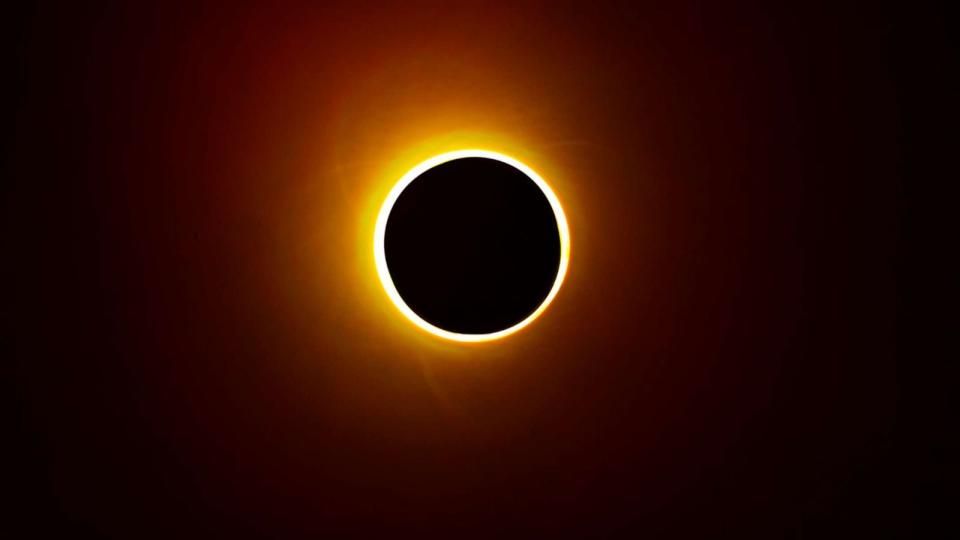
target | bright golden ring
[{"x": 381, "y": 258}]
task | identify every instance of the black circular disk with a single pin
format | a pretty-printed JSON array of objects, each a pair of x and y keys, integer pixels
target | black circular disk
[{"x": 472, "y": 246}]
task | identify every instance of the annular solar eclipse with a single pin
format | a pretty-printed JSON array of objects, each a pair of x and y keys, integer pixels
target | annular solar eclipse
[{"x": 471, "y": 245}]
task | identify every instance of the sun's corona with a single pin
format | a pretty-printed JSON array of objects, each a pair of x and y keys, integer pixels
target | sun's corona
[{"x": 381, "y": 259}]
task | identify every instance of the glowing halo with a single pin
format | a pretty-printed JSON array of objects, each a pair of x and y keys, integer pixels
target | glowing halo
[{"x": 380, "y": 256}]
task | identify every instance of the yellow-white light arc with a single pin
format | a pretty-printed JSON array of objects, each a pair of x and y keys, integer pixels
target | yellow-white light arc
[{"x": 381, "y": 258}]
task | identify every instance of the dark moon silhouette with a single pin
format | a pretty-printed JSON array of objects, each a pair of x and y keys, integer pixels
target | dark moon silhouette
[{"x": 472, "y": 245}]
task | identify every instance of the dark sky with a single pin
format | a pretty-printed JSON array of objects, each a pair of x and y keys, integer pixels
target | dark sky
[{"x": 200, "y": 347}]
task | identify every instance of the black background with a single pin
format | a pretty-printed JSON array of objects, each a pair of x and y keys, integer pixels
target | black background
[{"x": 733, "y": 366}]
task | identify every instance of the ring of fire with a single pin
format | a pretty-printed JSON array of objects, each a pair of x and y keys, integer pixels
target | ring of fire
[{"x": 381, "y": 259}]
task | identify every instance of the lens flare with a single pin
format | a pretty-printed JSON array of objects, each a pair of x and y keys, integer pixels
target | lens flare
[{"x": 381, "y": 259}]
